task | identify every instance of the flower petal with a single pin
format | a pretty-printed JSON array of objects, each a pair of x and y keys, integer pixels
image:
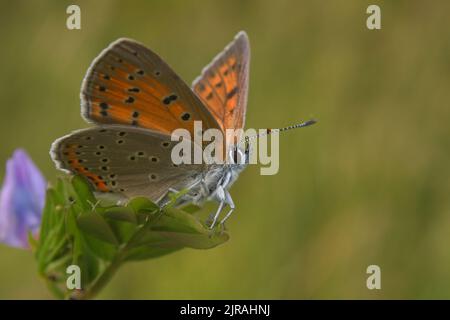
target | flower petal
[{"x": 22, "y": 200}]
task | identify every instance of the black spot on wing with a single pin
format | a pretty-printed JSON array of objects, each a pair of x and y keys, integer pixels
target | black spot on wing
[
  {"x": 169, "y": 99},
  {"x": 232, "y": 93},
  {"x": 129, "y": 100}
]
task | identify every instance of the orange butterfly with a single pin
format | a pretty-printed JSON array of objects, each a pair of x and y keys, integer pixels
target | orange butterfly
[{"x": 136, "y": 101}]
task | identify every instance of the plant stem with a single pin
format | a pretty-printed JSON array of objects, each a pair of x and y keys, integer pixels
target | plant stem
[
  {"x": 103, "y": 279},
  {"x": 111, "y": 269}
]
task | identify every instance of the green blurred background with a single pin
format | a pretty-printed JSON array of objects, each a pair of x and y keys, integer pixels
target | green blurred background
[{"x": 368, "y": 185}]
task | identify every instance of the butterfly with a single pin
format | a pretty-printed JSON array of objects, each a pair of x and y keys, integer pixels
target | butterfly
[{"x": 136, "y": 101}]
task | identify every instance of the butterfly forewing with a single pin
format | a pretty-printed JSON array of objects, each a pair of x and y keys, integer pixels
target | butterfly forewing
[
  {"x": 125, "y": 160},
  {"x": 131, "y": 85},
  {"x": 223, "y": 84}
]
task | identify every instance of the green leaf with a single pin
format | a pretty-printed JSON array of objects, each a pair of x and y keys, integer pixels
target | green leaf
[
  {"x": 174, "y": 229},
  {"x": 190, "y": 208},
  {"x": 173, "y": 238},
  {"x": 55, "y": 247},
  {"x": 123, "y": 230},
  {"x": 99, "y": 237},
  {"x": 81, "y": 254},
  {"x": 143, "y": 205},
  {"x": 47, "y": 214},
  {"x": 95, "y": 225},
  {"x": 195, "y": 241},
  {"x": 148, "y": 252},
  {"x": 123, "y": 222},
  {"x": 174, "y": 197},
  {"x": 61, "y": 190},
  {"x": 71, "y": 222},
  {"x": 176, "y": 220},
  {"x": 121, "y": 214},
  {"x": 52, "y": 235},
  {"x": 59, "y": 264},
  {"x": 83, "y": 193},
  {"x": 99, "y": 248},
  {"x": 89, "y": 265}
]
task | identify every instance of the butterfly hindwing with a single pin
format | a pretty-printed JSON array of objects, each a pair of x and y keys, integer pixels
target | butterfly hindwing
[
  {"x": 124, "y": 160},
  {"x": 223, "y": 84},
  {"x": 131, "y": 85}
]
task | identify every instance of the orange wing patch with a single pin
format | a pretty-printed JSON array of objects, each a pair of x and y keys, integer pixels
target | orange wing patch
[
  {"x": 73, "y": 161},
  {"x": 223, "y": 84},
  {"x": 129, "y": 84}
]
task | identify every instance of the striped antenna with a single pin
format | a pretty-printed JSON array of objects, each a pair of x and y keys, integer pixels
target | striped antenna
[
  {"x": 270, "y": 131},
  {"x": 299, "y": 125}
]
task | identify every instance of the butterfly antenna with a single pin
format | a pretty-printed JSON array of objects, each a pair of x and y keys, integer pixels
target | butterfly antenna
[
  {"x": 298, "y": 125},
  {"x": 270, "y": 131}
]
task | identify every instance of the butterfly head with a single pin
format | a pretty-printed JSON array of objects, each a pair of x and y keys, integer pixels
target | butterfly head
[{"x": 238, "y": 156}]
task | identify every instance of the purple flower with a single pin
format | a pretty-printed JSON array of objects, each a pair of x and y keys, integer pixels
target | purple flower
[{"x": 22, "y": 199}]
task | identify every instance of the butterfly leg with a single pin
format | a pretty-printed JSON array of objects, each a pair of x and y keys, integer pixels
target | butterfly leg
[
  {"x": 220, "y": 195},
  {"x": 229, "y": 201},
  {"x": 173, "y": 190},
  {"x": 192, "y": 186},
  {"x": 188, "y": 197},
  {"x": 204, "y": 188}
]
